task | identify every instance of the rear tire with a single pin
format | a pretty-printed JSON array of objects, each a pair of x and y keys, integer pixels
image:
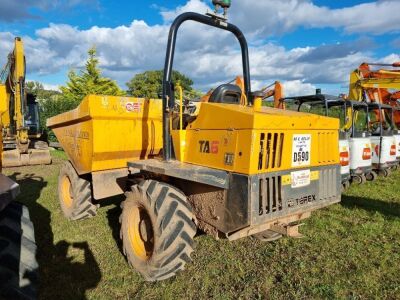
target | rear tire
[
  {"x": 18, "y": 265},
  {"x": 75, "y": 194},
  {"x": 157, "y": 230},
  {"x": 371, "y": 176},
  {"x": 345, "y": 185},
  {"x": 357, "y": 179},
  {"x": 385, "y": 172}
]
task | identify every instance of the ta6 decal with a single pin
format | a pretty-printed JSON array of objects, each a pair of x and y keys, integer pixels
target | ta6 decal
[{"x": 209, "y": 147}]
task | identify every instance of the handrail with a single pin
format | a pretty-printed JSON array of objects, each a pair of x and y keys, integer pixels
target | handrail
[{"x": 168, "y": 90}]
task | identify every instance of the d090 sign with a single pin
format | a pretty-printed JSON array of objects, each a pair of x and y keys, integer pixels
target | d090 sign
[{"x": 301, "y": 156}]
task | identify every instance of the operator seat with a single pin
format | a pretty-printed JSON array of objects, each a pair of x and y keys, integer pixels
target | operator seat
[{"x": 226, "y": 93}]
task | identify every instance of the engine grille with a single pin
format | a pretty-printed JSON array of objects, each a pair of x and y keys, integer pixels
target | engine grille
[
  {"x": 270, "y": 154},
  {"x": 270, "y": 191},
  {"x": 274, "y": 196}
]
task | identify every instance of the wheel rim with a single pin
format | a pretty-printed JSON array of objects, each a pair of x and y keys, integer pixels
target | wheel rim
[
  {"x": 140, "y": 233},
  {"x": 66, "y": 192}
]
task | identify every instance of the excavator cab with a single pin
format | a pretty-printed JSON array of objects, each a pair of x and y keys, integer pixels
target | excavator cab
[
  {"x": 359, "y": 142},
  {"x": 384, "y": 150},
  {"x": 32, "y": 117}
]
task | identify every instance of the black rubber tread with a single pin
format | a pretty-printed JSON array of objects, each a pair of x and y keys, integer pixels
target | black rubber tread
[
  {"x": 357, "y": 179},
  {"x": 371, "y": 176},
  {"x": 82, "y": 207},
  {"x": 173, "y": 226},
  {"x": 18, "y": 265}
]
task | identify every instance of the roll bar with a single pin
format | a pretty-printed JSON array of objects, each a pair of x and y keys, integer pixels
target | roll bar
[{"x": 168, "y": 89}]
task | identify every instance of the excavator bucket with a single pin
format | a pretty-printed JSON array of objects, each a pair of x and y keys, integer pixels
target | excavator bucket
[{"x": 14, "y": 158}]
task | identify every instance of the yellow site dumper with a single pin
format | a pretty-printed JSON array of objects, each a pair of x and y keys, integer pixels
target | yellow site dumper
[{"x": 232, "y": 169}]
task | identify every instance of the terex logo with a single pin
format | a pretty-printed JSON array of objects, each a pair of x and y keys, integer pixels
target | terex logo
[{"x": 209, "y": 147}]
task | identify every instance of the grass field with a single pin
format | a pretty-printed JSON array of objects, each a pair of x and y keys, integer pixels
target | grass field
[{"x": 350, "y": 250}]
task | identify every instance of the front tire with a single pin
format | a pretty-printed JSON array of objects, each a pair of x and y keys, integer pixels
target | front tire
[
  {"x": 157, "y": 229},
  {"x": 18, "y": 264},
  {"x": 75, "y": 194}
]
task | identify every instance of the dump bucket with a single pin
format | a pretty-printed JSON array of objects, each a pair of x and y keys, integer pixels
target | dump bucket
[{"x": 104, "y": 132}]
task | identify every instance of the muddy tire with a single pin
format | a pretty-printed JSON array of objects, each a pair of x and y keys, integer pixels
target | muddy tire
[
  {"x": 18, "y": 265},
  {"x": 75, "y": 194},
  {"x": 359, "y": 179},
  {"x": 385, "y": 172},
  {"x": 157, "y": 230},
  {"x": 371, "y": 176},
  {"x": 345, "y": 185}
]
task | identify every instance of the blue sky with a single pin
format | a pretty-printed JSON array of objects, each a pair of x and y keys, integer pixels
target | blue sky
[{"x": 304, "y": 43}]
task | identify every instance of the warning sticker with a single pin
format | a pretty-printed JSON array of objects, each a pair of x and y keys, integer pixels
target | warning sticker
[
  {"x": 301, "y": 148},
  {"x": 300, "y": 178}
]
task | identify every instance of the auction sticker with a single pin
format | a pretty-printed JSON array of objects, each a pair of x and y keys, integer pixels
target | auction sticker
[
  {"x": 300, "y": 178},
  {"x": 301, "y": 147}
]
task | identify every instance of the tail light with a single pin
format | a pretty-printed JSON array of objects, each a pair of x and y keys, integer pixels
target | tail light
[
  {"x": 366, "y": 154},
  {"x": 393, "y": 149},
  {"x": 344, "y": 158}
]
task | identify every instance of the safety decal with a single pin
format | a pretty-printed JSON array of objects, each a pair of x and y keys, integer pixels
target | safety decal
[{"x": 300, "y": 178}]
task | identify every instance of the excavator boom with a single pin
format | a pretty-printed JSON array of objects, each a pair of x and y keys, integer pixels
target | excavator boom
[{"x": 21, "y": 125}]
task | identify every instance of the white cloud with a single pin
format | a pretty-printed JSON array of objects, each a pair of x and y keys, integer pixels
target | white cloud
[
  {"x": 51, "y": 87},
  {"x": 207, "y": 55},
  {"x": 271, "y": 17},
  {"x": 290, "y": 87},
  {"x": 298, "y": 88},
  {"x": 191, "y": 5}
]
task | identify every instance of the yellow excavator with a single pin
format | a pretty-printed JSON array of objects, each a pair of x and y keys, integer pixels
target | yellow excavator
[{"x": 20, "y": 115}]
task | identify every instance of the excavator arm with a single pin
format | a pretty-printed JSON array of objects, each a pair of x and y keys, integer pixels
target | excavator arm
[
  {"x": 275, "y": 90},
  {"x": 376, "y": 84},
  {"x": 16, "y": 118},
  {"x": 14, "y": 98},
  {"x": 382, "y": 86}
]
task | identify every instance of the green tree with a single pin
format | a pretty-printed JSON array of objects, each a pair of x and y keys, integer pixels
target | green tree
[
  {"x": 149, "y": 84},
  {"x": 89, "y": 81},
  {"x": 36, "y": 88}
]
